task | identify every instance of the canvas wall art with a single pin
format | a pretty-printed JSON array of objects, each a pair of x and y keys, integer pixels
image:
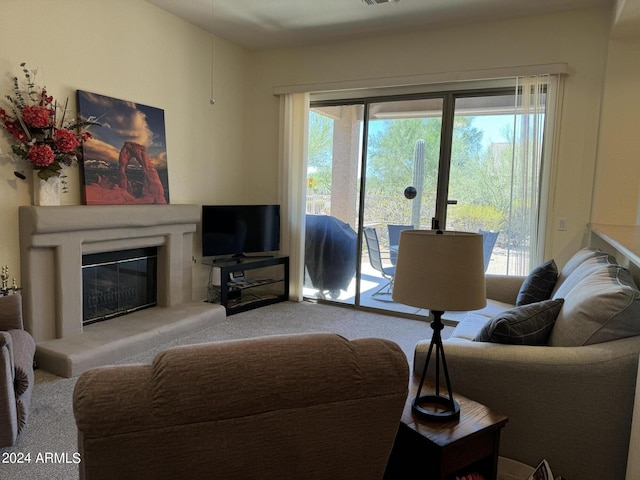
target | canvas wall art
[{"x": 126, "y": 160}]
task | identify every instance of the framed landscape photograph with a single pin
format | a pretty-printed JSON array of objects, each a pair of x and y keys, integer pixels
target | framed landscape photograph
[{"x": 126, "y": 160}]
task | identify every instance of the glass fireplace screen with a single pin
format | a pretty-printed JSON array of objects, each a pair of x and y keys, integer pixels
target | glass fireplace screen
[{"x": 116, "y": 283}]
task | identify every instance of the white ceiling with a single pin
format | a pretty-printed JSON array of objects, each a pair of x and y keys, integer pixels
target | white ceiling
[{"x": 265, "y": 24}]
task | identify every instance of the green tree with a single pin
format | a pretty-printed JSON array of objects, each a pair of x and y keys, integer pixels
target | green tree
[
  {"x": 482, "y": 186},
  {"x": 320, "y": 151},
  {"x": 390, "y": 164},
  {"x": 391, "y": 153}
]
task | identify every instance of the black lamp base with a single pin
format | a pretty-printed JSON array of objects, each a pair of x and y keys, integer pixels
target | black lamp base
[{"x": 436, "y": 407}]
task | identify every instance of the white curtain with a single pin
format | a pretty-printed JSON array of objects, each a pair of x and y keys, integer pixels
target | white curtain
[
  {"x": 294, "y": 132},
  {"x": 534, "y": 115}
]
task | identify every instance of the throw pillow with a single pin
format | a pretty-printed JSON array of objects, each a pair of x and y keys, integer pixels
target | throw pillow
[
  {"x": 579, "y": 272},
  {"x": 602, "y": 307},
  {"x": 582, "y": 256},
  {"x": 539, "y": 284},
  {"x": 525, "y": 325}
]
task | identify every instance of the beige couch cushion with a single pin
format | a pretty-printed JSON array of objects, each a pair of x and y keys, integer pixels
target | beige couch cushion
[
  {"x": 469, "y": 327},
  {"x": 578, "y": 267},
  {"x": 602, "y": 305},
  {"x": 493, "y": 308}
]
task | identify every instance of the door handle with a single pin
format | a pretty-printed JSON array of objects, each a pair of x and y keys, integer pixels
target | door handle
[{"x": 452, "y": 202}]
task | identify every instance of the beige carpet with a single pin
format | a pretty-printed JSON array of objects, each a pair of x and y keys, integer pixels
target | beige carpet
[{"x": 51, "y": 427}]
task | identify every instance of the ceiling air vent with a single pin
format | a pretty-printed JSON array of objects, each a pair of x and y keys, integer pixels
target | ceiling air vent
[{"x": 376, "y": 2}]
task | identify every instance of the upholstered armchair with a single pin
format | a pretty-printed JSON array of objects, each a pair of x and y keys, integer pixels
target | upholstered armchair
[
  {"x": 313, "y": 406},
  {"x": 17, "y": 349}
]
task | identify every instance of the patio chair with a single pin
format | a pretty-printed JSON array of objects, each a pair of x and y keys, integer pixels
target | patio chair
[
  {"x": 375, "y": 258},
  {"x": 488, "y": 242},
  {"x": 394, "y": 239}
]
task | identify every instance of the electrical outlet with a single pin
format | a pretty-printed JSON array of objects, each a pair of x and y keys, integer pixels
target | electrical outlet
[{"x": 562, "y": 224}]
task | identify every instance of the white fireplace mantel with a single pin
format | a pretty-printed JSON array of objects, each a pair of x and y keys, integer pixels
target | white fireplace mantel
[
  {"x": 53, "y": 240},
  {"x": 52, "y": 243}
]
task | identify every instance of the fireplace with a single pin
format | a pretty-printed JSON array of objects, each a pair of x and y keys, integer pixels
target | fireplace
[
  {"x": 117, "y": 283},
  {"x": 54, "y": 244},
  {"x": 53, "y": 241}
]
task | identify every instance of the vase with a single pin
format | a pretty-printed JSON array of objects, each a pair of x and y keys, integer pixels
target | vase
[{"x": 46, "y": 192}]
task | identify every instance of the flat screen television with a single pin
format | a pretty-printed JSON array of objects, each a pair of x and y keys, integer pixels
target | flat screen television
[{"x": 237, "y": 230}]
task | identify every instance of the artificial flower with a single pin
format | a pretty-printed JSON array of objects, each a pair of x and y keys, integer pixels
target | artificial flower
[
  {"x": 41, "y": 155},
  {"x": 39, "y": 132},
  {"x": 36, "y": 117},
  {"x": 66, "y": 141}
]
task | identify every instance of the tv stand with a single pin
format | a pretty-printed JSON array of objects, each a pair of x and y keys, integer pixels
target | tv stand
[
  {"x": 238, "y": 258},
  {"x": 244, "y": 283},
  {"x": 243, "y": 257}
]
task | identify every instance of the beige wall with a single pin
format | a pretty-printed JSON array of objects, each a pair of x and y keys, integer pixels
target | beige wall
[
  {"x": 617, "y": 187},
  {"x": 580, "y": 39},
  {"x": 129, "y": 49}
]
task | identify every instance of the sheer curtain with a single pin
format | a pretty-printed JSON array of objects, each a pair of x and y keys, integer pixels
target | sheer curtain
[
  {"x": 534, "y": 120},
  {"x": 294, "y": 132}
]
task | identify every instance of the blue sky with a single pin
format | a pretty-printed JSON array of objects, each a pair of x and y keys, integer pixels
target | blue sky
[{"x": 491, "y": 126}]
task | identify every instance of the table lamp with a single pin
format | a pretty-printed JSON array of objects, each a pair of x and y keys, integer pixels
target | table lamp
[{"x": 440, "y": 271}]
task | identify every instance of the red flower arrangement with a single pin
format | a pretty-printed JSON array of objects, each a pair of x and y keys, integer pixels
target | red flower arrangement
[{"x": 41, "y": 137}]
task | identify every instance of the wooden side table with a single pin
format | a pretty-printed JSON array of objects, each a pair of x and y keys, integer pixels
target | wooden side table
[{"x": 441, "y": 450}]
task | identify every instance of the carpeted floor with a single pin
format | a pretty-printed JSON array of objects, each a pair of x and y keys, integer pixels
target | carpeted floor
[{"x": 49, "y": 439}]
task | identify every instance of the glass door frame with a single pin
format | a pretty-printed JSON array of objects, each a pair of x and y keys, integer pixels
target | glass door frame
[{"x": 444, "y": 162}]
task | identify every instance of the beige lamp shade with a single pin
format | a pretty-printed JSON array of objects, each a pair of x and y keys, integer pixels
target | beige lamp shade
[{"x": 440, "y": 271}]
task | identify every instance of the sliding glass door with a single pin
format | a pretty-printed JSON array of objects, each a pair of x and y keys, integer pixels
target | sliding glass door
[
  {"x": 402, "y": 157},
  {"x": 456, "y": 160}
]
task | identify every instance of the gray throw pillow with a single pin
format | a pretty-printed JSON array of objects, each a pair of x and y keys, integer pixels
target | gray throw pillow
[
  {"x": 539, "y": 284},
  {"x": 601, "y": 307},
  {"x": 582, "y": 256},
  {"x": 525, "y": 325},
  {"x": 586, "y": 268}
]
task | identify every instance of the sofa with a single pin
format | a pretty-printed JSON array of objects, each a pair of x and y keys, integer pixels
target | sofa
[
  {"x": 568, "y": 388},
  {"x": 17, "y": 349},
  {"x": 312, "y": 406}
]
